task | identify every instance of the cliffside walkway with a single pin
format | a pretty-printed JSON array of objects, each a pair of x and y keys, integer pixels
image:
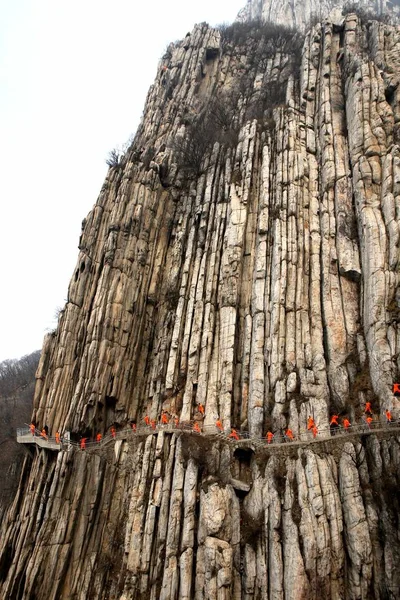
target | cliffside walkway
[{"x": 24, "y": 436}]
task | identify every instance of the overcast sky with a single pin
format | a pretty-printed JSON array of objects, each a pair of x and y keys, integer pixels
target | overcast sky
[{"x": 73, "y": 81}]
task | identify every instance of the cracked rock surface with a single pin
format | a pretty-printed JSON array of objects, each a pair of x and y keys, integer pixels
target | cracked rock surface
[
  {"x": 259, "y": 279},
  {"x": 299, "y": 13}
]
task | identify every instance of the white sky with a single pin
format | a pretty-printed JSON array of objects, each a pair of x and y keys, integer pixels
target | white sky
[{"x": 73, "y": 81}]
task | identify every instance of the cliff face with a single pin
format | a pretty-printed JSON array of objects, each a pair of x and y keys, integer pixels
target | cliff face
[
  {"x": 243, "y": 256},
  {"x": 299, "y": 13}
]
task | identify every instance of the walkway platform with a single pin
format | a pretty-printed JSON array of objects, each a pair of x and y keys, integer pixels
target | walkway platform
[{"x": 24, "y": 436}]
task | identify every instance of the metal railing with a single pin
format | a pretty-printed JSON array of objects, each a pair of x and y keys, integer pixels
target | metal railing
[
  {"x": 25, "y": 432},
  {"x": 25, "y": 436},
  {"x": 280, "y": 439}
]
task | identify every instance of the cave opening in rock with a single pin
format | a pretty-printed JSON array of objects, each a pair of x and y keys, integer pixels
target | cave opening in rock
[
  {"x": 241, "y": 466},
  {"x": 110, "y": 401},
  {"x": 6, "y": 561},
  {"x": 211, "y": 53},
  {"x": 241, "y": 494},
  {"x": 244, "y": 455},
  {"x": 389, "y": 94}
]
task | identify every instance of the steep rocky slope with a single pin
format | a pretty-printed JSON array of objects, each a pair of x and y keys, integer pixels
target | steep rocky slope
[
  {"x": 13, "y": 413},
  {"x": 252, "y": 268},
  {"x": 299, "y": 13},
  {"x": 17, "y": 385}
]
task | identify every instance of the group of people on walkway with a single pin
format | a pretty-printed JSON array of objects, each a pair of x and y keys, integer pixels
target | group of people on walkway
[
  {"x": 44, "y": 433},
  {"x": 288, "y": 434},
  {"x": 334, "y": 424},
  {"x": 99, "y": 437},
  {"x": 167, "y": 420}
]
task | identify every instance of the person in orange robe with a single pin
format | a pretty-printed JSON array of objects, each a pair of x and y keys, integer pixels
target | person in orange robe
[
  {"x": 234, "y": 434},
  {"x": 289, "y": 434},
  {"x": 147, "y": 420},
  {"x": 83, "y": 443},
  {"x": 98, "y": 438},
  {"x": 219, "y": 425},
  {"x": 368, "y": 408},
  {"x": 57, "y": 436},
  {"x": 315, "y": 431},
  {"x": 334, "y": 424},
  {"x": 201, "y": 409},
  {"x": 269, "y": 436},
  {"x": 388, "y": 416},
  {"x": 113, "y": 431},
  {"x": 196, "y": 427},
  {"x": 32, "y": 428},
  {"x": 310, "y": 423},
  {"x": 346, "y": 424},
  {"x": 164, "y": 418}
]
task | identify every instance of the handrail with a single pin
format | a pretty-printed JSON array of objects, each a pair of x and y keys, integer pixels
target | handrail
[
  {"x": 25, "y": 431},
  {"x": 304, "y": 438}
]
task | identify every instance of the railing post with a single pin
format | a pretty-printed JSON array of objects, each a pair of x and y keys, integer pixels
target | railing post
[{"x": 67, "y": 439}]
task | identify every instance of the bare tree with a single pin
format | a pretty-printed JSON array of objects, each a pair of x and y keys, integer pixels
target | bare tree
[
  {"x": 116, "y": 155},
  {"x": 17, "y": 373},
  {"x": 113, "y": 159}
]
